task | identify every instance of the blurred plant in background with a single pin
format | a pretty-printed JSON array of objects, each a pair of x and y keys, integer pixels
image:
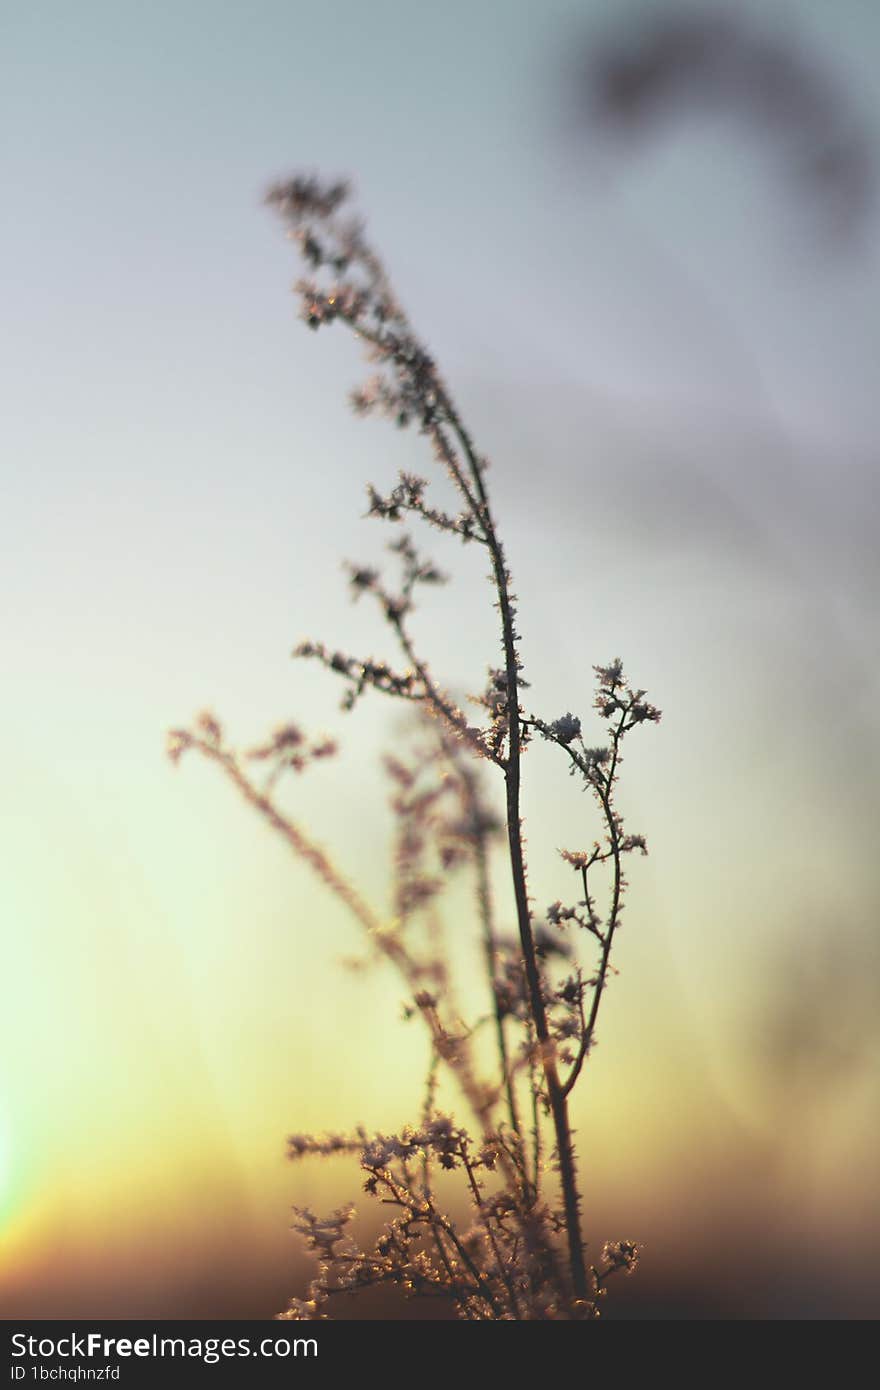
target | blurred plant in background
[
  {"x": 521, "y": 1253},
  {"x": 723, "y": 63}
]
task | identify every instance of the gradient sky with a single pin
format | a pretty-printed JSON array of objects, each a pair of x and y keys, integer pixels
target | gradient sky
[{"x": 675, "y": 378}]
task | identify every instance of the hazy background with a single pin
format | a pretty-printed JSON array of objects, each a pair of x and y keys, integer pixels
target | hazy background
[{"x": 649, "y": 268}]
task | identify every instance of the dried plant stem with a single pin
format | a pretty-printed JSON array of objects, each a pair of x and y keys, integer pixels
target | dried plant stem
[
  {"x": 555, "y": 1091},
  {"x": 606, "y": 938},
  {"x": 305, "y": 848},
  {"x": 524, "y": 1255},
  {"x": 441, "y": 1251},
  {"x": 490, "y": 1234},
  {"x": 384, "y": 941},
  {"x": 536, "y": 1115},
  {"x": 490, "y": 947},
  {"x": 614, "y": 915}
]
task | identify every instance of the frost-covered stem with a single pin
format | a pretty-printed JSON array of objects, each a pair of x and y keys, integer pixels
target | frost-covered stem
[
  {"x": 426, "y": 1212},
  {"x": 555, "y": 1091},
  {"x": 441, "y": 1250},
  {"x": 427, "y": 1107},
  {"x": 491, "y": 951},
  {"x": 490, "y": 1234},
  {"x": 304, "y": 847},
  {"x": 604, "y": 794},
  {"x": 536, "y": 1117},
  {"x": 490, "y": 947},
  {"x": 584, "y": 1047},
  {"x": 440, "y": 704},
  {"x": 364, "y": 914}
]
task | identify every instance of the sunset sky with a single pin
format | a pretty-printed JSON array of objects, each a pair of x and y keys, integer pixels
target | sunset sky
[{"x": 672, "y": 364}]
